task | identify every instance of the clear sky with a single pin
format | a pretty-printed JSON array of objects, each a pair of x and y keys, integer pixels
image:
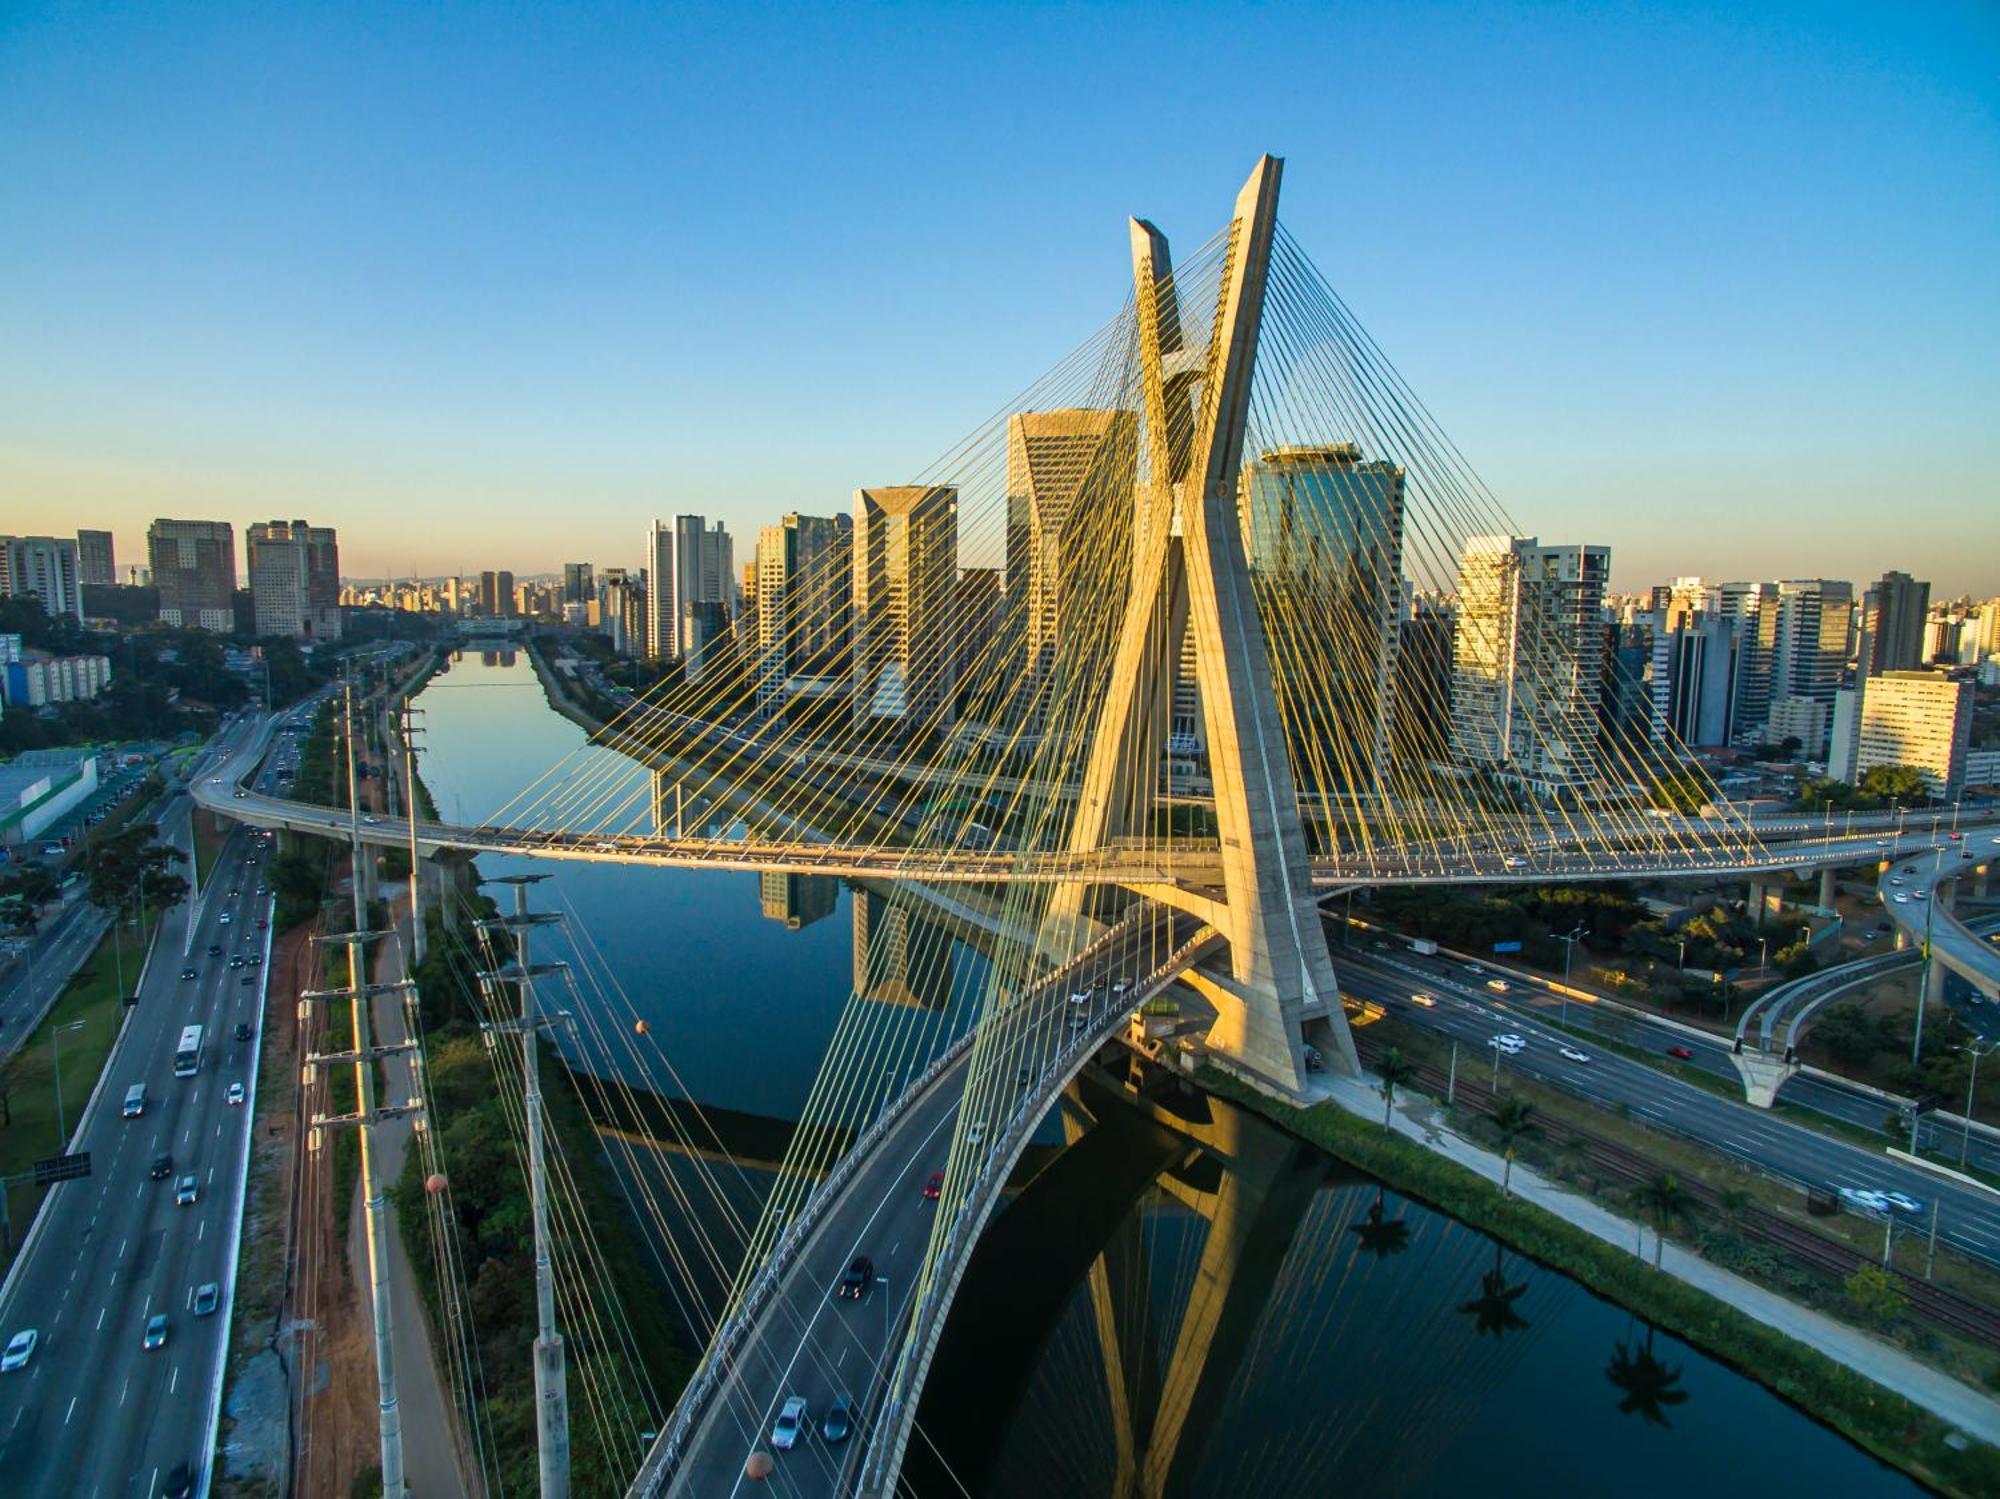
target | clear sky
[{"x": 491, "y": 285}]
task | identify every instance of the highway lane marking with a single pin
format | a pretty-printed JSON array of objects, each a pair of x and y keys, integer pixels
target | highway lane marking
[
  {"x": 72, "y": 1404},
  {"x": 174, "y": 1380},
  {"x": 100, "y": 1315},
  {"x": 125, "y": 1390}
]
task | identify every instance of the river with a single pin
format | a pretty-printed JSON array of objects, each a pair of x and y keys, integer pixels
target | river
[{"x": 1194, "y": 1304}]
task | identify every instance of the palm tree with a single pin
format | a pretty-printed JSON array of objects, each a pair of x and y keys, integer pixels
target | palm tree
[
  {"x": 1646, "y": 1382},
  {"x": 1492, "y": 1310},
  {"x": 1381, "y": 1236},
  {"x": 1513, "y": 1120},
  {"x": 1394, "y": 1069},
  {"x": 1665, "y": 1199}
]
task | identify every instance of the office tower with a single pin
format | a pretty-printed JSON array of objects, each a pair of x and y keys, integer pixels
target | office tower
[
  {"x": 96, "y": 561},
  {"x": 743, "y": 628},
  {"x": 1808, "y": 643},
  {"x": 1917, "y": 718},
  {"x": 661, "y": 633},
  {"x": 622, "y": 611},
  {"x": 982, "y": 667},
  {"x": 899, "y": 957},
  {"x": 577, "y": 585},
  {"x": 1323, "y": 529},
  {"x": 45, "y": 569},
  {"x": 905, "y": 550},
  {"x": 1421, "y": 732},
  {"x": 294, "y": 579},
  {"x": 1070, "y": 480},
  {"x": 194, "y": 567},
  {"x": 1528, "y": 661},
  {"x": 1694, "y": 664},
  {"x": 1843, "y": 745},
  {"x": 704, "y": 575},
  {"x": 1627, "y": 712},
  {"x": 804, "y": 604},
  {"x": 797, "y": 900},
  {"x": 1893, "y": 612}
]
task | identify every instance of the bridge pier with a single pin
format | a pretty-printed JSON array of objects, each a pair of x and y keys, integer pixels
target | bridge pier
[
  {"x": 1826, "y": 890},
  {"x": 1763, "y": 1075}
]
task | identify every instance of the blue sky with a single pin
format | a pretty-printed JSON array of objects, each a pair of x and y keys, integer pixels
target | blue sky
[{"x": 492, "y": 285}]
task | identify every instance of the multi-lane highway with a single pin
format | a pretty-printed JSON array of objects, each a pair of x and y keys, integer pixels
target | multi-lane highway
[
  {"x": 96, "y": 1413},
  {"x": 1467, "y": 1012},
  {"x": 52, "y": 958}
]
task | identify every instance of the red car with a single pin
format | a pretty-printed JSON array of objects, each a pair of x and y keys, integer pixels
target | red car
[
  {"x": 1681, "y": 1052},
  {"x": 934, "y": 1188}
]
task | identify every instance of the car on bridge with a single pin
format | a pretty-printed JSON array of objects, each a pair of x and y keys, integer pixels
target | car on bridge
[
  {"x": 156, "y": 1331},
  {"x": 839, "y": 1423},
  {"x": 1680, "y": 1053},
  {"x": 186, "y": 1191},
  {"x": 934, "y": 1187},
  {"x": 1425, "y": 1000},
  {"x": 207, "y": 1296},
  {"x": 791, "y": 1421},
  {"x": 858, "y": 1278},
  {"x": 163, "y": 1166},
  {"x": 1571, "y": 1054},
  {"x": 1507, "y": 1042}
]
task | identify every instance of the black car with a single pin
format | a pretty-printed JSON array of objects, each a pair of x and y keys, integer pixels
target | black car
[
  {"x": 163, "y": 1166},
  {"x": 188, "y": 973},
  {"x": 179, "y": 1482},
  {"x": 860, "y": 1275},
  {"x": 839, "y": 1423},
  {"x": 215, "y": 949},
  {"x": 242, "y": 1031}
]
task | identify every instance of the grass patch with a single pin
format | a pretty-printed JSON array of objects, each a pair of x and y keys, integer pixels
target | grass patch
[
  {"x": 29, "y": 1129},
  {"x": 209, "y": 836},
  {"x": 1893, "y": 1428}
]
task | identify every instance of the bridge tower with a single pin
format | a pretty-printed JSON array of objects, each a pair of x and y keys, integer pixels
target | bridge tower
[{"x": 1189, "y": 563}]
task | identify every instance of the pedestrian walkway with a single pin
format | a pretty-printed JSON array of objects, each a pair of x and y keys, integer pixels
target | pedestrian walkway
[{"x": 1961, "y": 1405}]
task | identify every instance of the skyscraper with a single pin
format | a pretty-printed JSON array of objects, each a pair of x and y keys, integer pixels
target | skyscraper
[
  {"x": 1917, "y": 718},
  {"x": 1324, "y": 527},
  {"x": 295, "y": 579},
  {"x": 194, "y": 567},
  {"x": 1528, "y": 660},
  {"x": 804, "y": 606},
  {"x": 1070, "y": 480},
  {"x": 96, "y": 562},
  {"x": 1893, "y": 612},
  {"x": 43, "y": 568},
  {"x": 577, "y": 585},
  {"x": 1694, "y": 666},
  {"x": 905, "y": 580},
  {"x": 662, "y": 637}
]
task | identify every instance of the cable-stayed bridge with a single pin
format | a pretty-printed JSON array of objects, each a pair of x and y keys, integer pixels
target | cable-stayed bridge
[{"x": 1211, "y": 621}]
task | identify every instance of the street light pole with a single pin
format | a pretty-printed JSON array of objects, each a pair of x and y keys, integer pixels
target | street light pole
[
  {"x": 1971, "y": 1088},
  {"x": 55, "y": 1044}
]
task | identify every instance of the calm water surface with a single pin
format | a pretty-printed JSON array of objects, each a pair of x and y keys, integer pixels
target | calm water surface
[{"x": 1190, "y": 1299}]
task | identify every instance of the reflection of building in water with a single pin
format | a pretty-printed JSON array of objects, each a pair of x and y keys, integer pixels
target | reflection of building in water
[
  {"x": 899, "y": 958},
  {"x": 501, "y": 658},
  {"x": 798, "y": 900}
]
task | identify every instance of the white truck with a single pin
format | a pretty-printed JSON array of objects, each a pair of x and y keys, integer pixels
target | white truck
[{"x": 1423, "y": 945}]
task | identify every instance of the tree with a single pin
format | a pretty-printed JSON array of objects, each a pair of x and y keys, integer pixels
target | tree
[
  {"x": 1849, "y": 1033},
  {"x": 129, "y": 867},
  {"x": 1796, "y": 960},
  {"x": 1899, "y": 783},
  {"x": 1394, "y": 1069},
  {"x": 1876, "y": 1294},
  {"x": 1665, "y": 1200},
  {"x": 1646, "y": 1383},
  {"x": 1513, "y": 1121}
]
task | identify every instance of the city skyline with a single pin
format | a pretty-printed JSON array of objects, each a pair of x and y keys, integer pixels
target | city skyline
[{"x": 1661, "y": 248}]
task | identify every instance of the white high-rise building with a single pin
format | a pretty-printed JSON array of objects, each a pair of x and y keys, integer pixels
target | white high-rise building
[
  {"x": 690, "y": 585},
  {"x": 1528, "y": 661},
  {"x": 43, "y": 568},
  {"x": 1917, "y": 718}
]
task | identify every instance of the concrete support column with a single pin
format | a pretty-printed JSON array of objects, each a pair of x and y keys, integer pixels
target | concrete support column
[
  {"x": 1756, "y": 904},
  {"x": 1826, "y": 891}
]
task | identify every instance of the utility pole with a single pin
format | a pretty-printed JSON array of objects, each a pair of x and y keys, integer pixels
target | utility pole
[
  {"x": 551, "y": 1375},
  {"x": 410, "y": 731},
  {"x": 364, "y": 1054}
]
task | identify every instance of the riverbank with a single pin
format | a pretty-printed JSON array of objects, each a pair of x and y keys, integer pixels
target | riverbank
[{"x": 1940, "y": 1431}]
